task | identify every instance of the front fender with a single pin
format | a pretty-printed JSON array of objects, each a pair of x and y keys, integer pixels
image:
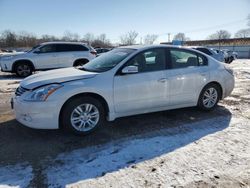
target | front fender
[{"x": 80, "y": 87}]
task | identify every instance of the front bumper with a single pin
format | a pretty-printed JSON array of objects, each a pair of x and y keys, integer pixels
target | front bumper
[
  {"x": 5, "y": 67},
  {"x": 38, "y": 115}
]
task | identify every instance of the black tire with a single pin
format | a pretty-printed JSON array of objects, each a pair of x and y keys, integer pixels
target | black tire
[
  {"x": 231, "y": 59},
  {"x": 80, "y": 62},
  {"x": 69, "y": 110},
  {"x": 23, "y": 69},
  {"x": 202, "y": 102}
]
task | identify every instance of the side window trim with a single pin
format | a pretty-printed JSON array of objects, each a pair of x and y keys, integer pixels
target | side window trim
[{"x": 168, "y": 59}]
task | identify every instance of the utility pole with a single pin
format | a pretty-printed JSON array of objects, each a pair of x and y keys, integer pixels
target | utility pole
[{"x": 169, "y": 37}]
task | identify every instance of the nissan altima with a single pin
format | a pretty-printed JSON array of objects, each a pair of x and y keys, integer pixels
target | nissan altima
[{"x": 125, "y": 81}]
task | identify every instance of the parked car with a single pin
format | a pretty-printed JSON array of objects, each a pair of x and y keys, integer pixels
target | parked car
[
  {"x": 101, "y": 50},
  {"x": 222, "y": 53},
  {"x": 4, "y": 52},
  {"x": 125, "y": 81},
  {"x": 211, "y": 52},
  {"x": 50, "y": 55},
  {"x": 231, "y": 55}
]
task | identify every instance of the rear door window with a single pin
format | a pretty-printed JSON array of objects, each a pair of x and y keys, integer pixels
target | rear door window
[
  {"x": 70, "y": 47},
  {"x": 202, "y": 60},
  {"x": 182, "y": 59}
]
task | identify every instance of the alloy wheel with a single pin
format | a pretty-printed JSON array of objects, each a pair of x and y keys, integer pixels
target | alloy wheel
[
  {"x": 210, "y": 97},
  {"x": 23, "y": 70},
  {"x": 85, "y": 117}
]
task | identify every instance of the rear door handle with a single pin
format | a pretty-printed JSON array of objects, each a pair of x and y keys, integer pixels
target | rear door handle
[{"x": 162, "y": 80}]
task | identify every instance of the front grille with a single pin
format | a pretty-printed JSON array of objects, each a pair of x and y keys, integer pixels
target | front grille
[{"x": 20, "y": 90}]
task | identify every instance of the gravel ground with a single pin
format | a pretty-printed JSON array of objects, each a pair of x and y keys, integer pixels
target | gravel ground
[{"x": 176, "y": 148}]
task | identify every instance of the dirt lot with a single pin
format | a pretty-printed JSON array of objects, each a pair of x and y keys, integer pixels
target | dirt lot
[{"x": 177, "y": 148}]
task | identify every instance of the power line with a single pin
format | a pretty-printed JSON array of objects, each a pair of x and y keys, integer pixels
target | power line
[{"x": 207, "y": 28}]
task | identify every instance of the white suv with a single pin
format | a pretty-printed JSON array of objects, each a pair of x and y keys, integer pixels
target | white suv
[
  {"x": 50, "y": 55},
  {"x": 125, "y": 81}
]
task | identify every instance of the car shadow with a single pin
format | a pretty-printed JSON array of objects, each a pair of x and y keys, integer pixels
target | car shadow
[{"x": 176, "y": 128}]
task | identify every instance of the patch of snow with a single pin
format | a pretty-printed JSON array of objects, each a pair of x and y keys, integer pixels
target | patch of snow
[
  {"x": 232, "y": 99},
  {"x": 84, "y": 165},
  {"x": 8, "y": 86},
  {"x": 17, "y": 176}
]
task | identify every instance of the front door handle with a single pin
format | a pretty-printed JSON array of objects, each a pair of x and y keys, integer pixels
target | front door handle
[{"x": 162, "y": 80}]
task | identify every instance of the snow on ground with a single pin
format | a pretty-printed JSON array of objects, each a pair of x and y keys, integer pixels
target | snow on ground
[
  {"x": 210, "y": 153},
  {"x": 16, "y": 176},
  {"x": 7, "y": 87},
  {"x": 195, "y": 151},
  {"x": 8, "y": 82}
]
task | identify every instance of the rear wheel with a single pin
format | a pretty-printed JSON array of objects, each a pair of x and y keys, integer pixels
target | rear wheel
[
  {"x": 82, "y": 115},
  {"x": 23, "y": 69},
  {"x": 209, "y": 97}
]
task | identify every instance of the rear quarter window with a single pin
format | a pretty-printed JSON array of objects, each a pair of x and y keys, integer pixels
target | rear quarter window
[
  {"x": 79, "y": 48},
  {"x": 202, "y": 60}
]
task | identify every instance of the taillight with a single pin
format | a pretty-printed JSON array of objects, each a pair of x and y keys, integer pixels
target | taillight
[{"x": 93, "y": 52}]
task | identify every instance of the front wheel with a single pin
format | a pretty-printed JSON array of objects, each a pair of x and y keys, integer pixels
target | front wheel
[
  {"x": 209, "y": 97},
  {"x": 23, "y": 69},
  {"x": 82, "y": 115}
]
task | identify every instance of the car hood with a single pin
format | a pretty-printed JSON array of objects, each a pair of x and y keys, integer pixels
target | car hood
[
  {"x": 13, "y": 54},
  {"x": 55, "y": 76}
]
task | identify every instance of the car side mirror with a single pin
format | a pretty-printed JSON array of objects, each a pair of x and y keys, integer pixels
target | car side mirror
[{"x": 130, "y": 70}]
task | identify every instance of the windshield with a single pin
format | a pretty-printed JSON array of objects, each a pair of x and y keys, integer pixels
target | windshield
[{"x": 107, "y": 61}]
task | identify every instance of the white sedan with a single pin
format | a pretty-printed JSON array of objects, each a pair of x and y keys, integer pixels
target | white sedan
[{"x": 125, "y": 81}]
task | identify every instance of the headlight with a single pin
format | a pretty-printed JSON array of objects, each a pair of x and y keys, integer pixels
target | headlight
[{"x": 42, "y": 93}]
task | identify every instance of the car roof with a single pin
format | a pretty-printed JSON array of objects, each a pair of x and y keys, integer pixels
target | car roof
[
  {"x": 197, "y": 47},
  {"x": 62, "y": 42},
  {"x": 146, "y": 47}
]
